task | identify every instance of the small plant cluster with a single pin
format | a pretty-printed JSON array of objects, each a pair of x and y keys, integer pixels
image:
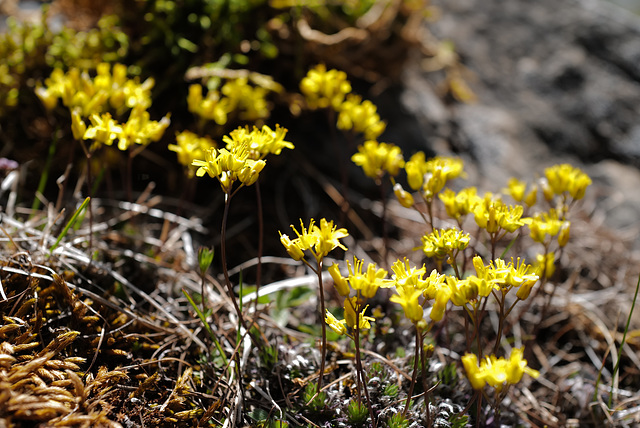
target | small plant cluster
[{"x": 482, "y": 257}]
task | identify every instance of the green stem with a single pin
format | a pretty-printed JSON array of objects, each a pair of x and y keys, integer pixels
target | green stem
[
  {"x": 323, "y": 352},
  {"x": 223, "y": 257},
  {"x": 622, "y": 342},
  {"x": 414, "y": 375},
  {"x": 360, "y": 371}
]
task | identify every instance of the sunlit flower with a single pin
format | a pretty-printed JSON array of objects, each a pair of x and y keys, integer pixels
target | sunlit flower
[
  {"x": 459, "y": 204},
  {"x": 339, "y": 282},
  {"x": 443, "y": 243},
  {"x": 319, "y": 240},
  {"x": 408, "y": 297},
  {"x": 497, "y": 372},
  {"x": 566, "y": 178},
  {"x": 190, "y": 147},
  {"x": 339, "y": 326},
  {"x": 368, "y": 282},
  {"x": 103, "y": 129},
  {"x": 324, "y": 88},
  {"x": 360, "y": 116},
  {"x": 405, "y": 198},
  {"x": 377, "y": 158}
]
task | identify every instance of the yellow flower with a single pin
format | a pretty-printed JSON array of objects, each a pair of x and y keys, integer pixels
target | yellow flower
[
  {"x": 497, "y": 372},
  {"x": 339, "y": 326},
  {"x": 266, "y": 140},
  {"x": 103, "y": 129},
  {"x": 407, "y": 276},
  {"x": 514, "y": 275},
  {"x": 432, "y": 175},
  {"x": 323, "y": 88},
  {"x": 493, "y": 215},
  {"x": 474, "y": 373},
  {"x": 459, "y": 204},
  {"x": 230, "y": 165},
  {"x": 408, "y": 297},
  {"x": 545, "y": 225},
  {"x": 190, "y": 147},
  {"x": 360, "y": 116},
  {"x": 565, "y": 178},
  {"x": 211, "y": 108},
  {"x": 516, "y": 189},
  {"x": 138, "y": 129},
  {"x": 544, "y": 265},
  {"x": 249, "y": 101},
  {"x": 366, "y": 283},
  {"x": 293, "y": 248},
  {"x": 339, "y": 282},
  {"x": 328, "y": 237},
  {"x": 377, "y": 158},
  {"x": 351, "y": 307},
  {"x": 319, "y": 240},
  {"x": 517, "y": 367},
  {"x": 442, "y": 297},
  {"x": 444, "y": 242},
  {"x": 405, "y": 198},
  {"x": 78, "y": 127}
]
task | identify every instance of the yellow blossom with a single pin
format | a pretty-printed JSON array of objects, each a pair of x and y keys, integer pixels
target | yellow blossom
[
  {"x": 351, "y": 307},
  {"x": 360, "y": 116},
  {"x": 444, "y": 242},
  {"x": 339, "y": 282},
  {"x": 405, "y": 198},
  {"x": 339, "y": 326},
  {"x": 408, "y": 297},
  {"x": 318, "y": 240},
  {"x": 103, "y": 129},
  {"x": 324, "y": 88},
  {"x": 497, "y": 372},
  {"x": 377, "y": 158},
  {"x": 190, "y": 147},
  {"x": 566, "y": 178},
  {"x": 366, "y": 283},
  {"x": 459, "y": 204},
  {"x": 544, "y": 265},
  {"x": 546, "y": 225}
]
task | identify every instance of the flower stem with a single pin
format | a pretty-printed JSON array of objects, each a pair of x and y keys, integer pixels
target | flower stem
[
  {"x": 323, "y": 352},
  {"x": 414, "y": 375},
  {"x": 223, "y": 257}
]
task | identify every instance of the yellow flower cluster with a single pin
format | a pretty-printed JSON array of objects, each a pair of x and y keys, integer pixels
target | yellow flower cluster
[
  {"x": 411, "y": 284},
  {"x": 190, "y": 147},
  {"x": 104, "y": 130},
  {"x": 319, "y": 240},
  {"x": 261, "y": 141},
  {"x": 458, "y": 205},
  {"x": 497, "y": 372},
  {"x": 229, "y": 166},
  {"x": 365, "y": 284},
  {"x": 547, "y": 225},
  {"x": 324, "y": 88},
  {"x": 235, "y": 95},
  {"x": 360, "y": 116},
  {"x": 93, "y": 98},
  {"x": 377, "y": 158},
  {"x": 243, "y": 157},
  {"x": 518, "y": 191},
  {"x": 564, "y": 178},
  {"x": 493, "y": 215},
  {"x": 444, "y": 242},
  {"x": 108, "y": 90},
  {"x": 431, "y": 175}
]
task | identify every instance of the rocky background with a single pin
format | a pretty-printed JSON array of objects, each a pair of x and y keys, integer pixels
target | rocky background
[{"x": 556, "y": 81}]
